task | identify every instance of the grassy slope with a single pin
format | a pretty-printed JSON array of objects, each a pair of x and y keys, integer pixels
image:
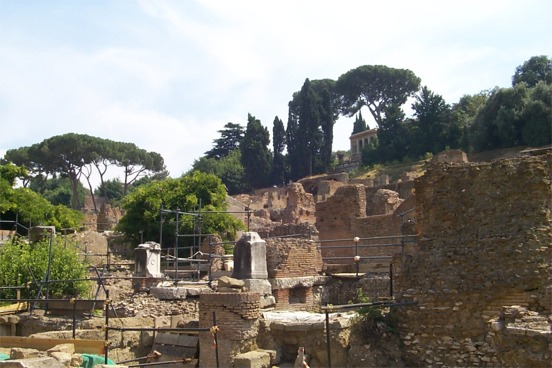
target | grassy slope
[{"x": 417, "y": 168}]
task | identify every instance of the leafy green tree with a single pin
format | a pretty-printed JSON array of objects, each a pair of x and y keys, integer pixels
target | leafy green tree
[
  {"x": 433, "y": 117},
  {"x": 19, "y": 258},
  {"x": 533, "y": 71},
  {"x": 137, "y": 163},
  {"x": 499, "y": 123},
  {"x": 293, "y": 144},
  {"x": 112, "y": 190},
  {"x": 66, "y": 154},
  {"x": 463, "y": 115},
  {"x": 230, "y": 138},
  {"x": 57, "y": 190},
  {"x": 537, "y": 116},
  {"x": 29, "y": 207},
  {"x": 329, "y": 108},
  {"x": 313, "y": 112},
  {"x": 370, "y": 154},
  {"x": 278, "y": 146},
  {"x": 307, "y": 136},
  {"x": 360, "y": 124},
  {"x": 9, "y": 173},
  {"x": 70, "y": 155},
  {"x": 143, "y": 205},
  {"x": 228, "y": 168},
  {"x": 255, "y": 155},
  {"x": 392, "y": 137},
  {"x": 376, "y": 86},
  {"x": 309, "y": 132}
]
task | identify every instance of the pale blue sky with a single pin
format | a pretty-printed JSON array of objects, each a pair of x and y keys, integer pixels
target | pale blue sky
[{"x": 166, "y": 75}]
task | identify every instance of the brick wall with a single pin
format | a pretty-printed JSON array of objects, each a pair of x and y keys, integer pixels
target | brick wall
[
  {"x": 336, "y": 215},
  {"x": 486, "y": 238},
  {"x": 295, "y": 299},
  {"x": 237, "y": 317},
  {"x": 291, "y": 257}
]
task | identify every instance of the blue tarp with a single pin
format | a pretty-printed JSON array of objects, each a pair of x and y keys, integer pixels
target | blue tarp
[{"x": 4, "y": 357}]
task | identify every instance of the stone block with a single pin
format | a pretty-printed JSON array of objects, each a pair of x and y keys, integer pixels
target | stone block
[
  {"x": 148, "y": 260},
  {"x": 275, "y": 355},
  {"x": 168, "y": 293},
  {"x": 24, "y": 353},
  {"x": 250, "y": 257},
  {"x": 41, "y": 362},
  {"x": 253, "y": 359},
  {"x": 260, "y": 286},
  {"x": 76, "y": 360},
  {"x": 63, "y": 348},
  {"x": 267, "y": 301},
  {"x": 230, "y": 282},
  {"x": 63, "y": 358}
]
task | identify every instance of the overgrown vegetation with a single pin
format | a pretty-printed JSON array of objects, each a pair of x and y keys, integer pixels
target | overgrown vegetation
[
  {"x": 26, "y": 264},
  {"x": 373, "y": 321}
]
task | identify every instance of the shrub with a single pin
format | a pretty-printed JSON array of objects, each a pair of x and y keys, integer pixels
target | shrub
[{"x": 20, "y": 261}]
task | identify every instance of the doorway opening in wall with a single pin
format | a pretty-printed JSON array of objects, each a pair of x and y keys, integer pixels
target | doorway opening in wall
[{"x": 298, "y": 295}]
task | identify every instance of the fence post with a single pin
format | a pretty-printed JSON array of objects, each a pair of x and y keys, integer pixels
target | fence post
[{"x": 328, "y": 337}]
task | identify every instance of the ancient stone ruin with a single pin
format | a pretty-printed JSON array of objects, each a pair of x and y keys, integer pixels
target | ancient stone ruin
[{"x": 463, "y": 251}]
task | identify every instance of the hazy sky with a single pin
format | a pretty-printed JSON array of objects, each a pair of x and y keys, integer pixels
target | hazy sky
[{"x": 167, "y": 75}]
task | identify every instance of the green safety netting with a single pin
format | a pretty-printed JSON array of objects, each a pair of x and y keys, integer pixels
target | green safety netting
[{"x": 90, "y": 360}]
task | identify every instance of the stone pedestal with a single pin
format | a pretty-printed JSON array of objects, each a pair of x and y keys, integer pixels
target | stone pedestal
[
  {"x": 148, "y": 260},
  {"x": 250, "y": 257},
  {"x": 148, "y": 265}
]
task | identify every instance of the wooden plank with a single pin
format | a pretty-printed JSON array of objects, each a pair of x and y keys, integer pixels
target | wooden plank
[
  {"x": 43, "y": 344},
  {"x": 14, "y": 308}
]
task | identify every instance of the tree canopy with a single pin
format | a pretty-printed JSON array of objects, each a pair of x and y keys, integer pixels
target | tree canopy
[
  {"x": 70, "y": 155},
  {"x": 143, "y": 208},
  {"x": 29, "y": 207},
  {"x": 360, "y": 124},
  {"x": 255, "y": 155},
  {"x": 228, "y": 168},
  {"x": 309, "y": 134},
  {"x": 533, "y": 71},
  {"x": 376, "y": 87},
  {"x": 230, "y": 139},
  {"x": 279, "y": 171}
]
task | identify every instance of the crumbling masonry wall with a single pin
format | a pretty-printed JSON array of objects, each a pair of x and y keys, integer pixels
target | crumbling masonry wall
[
  {"x": 294, "y": 266},
  {"x": 486, "y": 244},
  {"x": 292, "y": 257},
  {"x": 237, "y": 317}
]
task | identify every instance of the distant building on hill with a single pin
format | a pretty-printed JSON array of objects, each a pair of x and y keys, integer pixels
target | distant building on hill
[{"x": 359, "y": 141}]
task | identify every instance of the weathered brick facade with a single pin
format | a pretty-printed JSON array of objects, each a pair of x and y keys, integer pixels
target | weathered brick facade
[
  {"x": 237, "y": 317},
  {"x": 294, "y": 266},
  {"x": 292, "y": 257},
  {"x": 295, "y": 299},
  {"x": 486, "y": 243}
]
